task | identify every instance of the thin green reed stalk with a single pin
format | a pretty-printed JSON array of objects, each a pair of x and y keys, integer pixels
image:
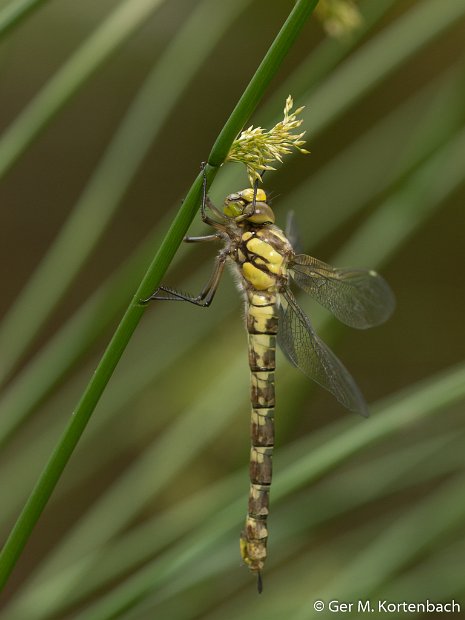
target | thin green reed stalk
[{"x": 64, "y": 449}]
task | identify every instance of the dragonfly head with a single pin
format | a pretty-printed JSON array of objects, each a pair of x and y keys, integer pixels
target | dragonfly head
[{"x": 236, "y": 204}]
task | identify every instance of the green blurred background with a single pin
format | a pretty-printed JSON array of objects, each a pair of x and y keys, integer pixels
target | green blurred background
[{"x": 106, "y": 112}]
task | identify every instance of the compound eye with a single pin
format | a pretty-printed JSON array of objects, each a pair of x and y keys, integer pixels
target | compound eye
[
  {"x": 263, "y": 214},
  {"x": 233, "y": 205}
]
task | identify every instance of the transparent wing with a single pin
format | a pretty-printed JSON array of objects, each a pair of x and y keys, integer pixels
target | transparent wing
[
  {"x": 306, "y": 351},
  {"x": 292, "y": 232},
  {"x": 356, "y": 297}
]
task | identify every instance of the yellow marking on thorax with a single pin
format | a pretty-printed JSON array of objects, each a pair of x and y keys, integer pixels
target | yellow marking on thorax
[
  {"x": 246, "y": 236},
  {"x": 265, "y": 250},
  {"x": 259, "y": 279},
  {"x": 276, "y": 269}
]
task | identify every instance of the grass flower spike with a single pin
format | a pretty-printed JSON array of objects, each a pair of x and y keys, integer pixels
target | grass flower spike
[{"x": 258, "y": 148}]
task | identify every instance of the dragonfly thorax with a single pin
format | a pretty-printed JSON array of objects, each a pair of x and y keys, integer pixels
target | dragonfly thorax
[{"x": 240, "y": 203}]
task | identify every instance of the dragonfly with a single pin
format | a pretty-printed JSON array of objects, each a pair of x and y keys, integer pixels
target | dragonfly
[{"x": 264, "y": 263}]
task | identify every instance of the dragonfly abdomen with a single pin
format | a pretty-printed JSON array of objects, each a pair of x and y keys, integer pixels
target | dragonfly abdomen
[{"x": 262, "y": 325}]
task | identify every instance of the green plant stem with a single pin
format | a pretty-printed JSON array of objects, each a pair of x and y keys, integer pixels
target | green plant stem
[{"x": 65, "y": 447}]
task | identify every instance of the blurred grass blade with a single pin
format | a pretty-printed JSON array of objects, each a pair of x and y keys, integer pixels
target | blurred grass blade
[
  {"x": 448, "y": 580},
  {"x": 38, "y": 379},
  {"x": 111, "y": 179},
  {"x": 303, "y": 569},
  {"x": 403, "y": 212},
  {"x": 15, "y": 12},
  {"x": 400, "y": 542},
  {"x": 168, "y": 455},
  {"x": 374, "y": 61},
  {"x": 379, "y": 57},
  {"x": 424, "y": 399},
  {"x": 322, "y": 61},
  {"x": 388, "y": 473},
  {"x": 65, "y": 447},
  {"x": 135, "y": 375},
  {"x": 107, "y": 38},
  {"x": 402, "y": 133}
]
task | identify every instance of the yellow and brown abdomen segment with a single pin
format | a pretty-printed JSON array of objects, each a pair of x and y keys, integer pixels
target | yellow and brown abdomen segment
[
  {"x": 262, "y": 324},
  {"x": 262, "y": 267}
]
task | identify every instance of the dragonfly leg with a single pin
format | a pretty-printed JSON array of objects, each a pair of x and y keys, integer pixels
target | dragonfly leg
[
  {"x": 203, "y": 299},
  {"x": 207, "y": 203},
  {"x": 213, "y": 237},
  {"x": 250, "y": 208}
]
